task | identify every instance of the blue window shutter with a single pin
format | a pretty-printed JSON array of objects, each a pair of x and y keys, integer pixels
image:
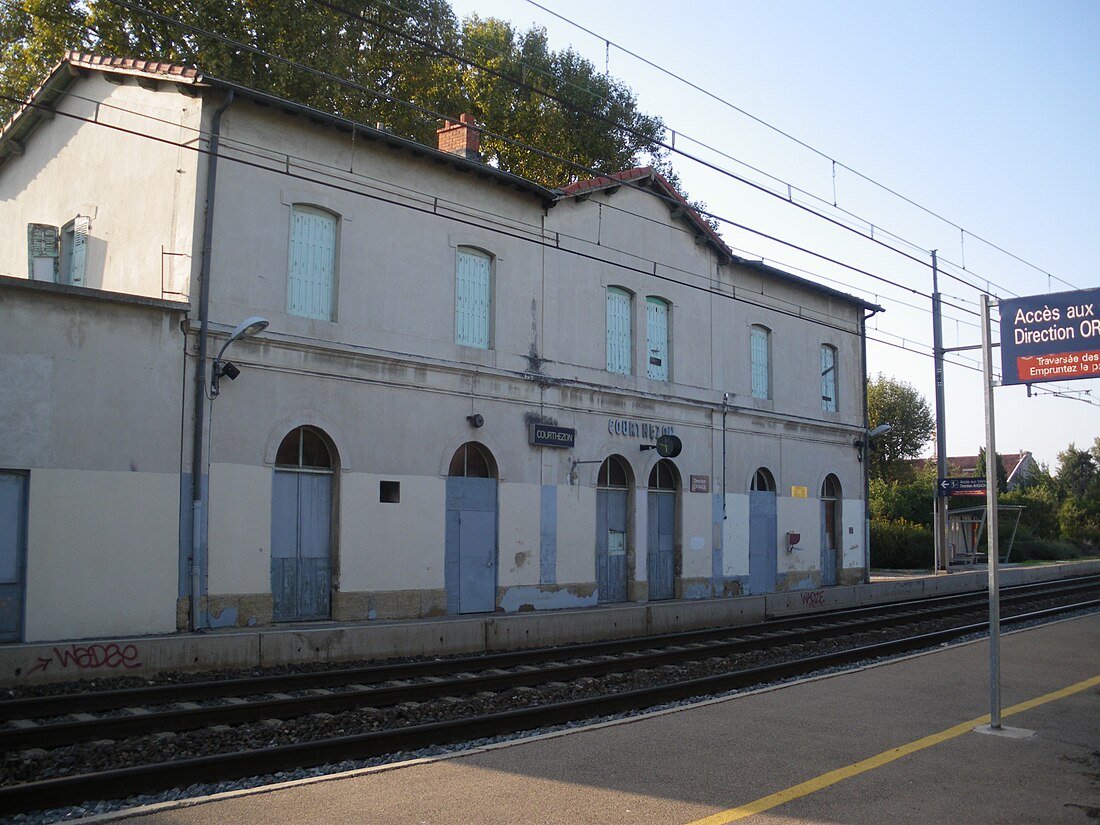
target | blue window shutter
[
  {"x": 472, "y": 298},
  {"x": 618, "y": 330},
  {"x": 760, "y": 346},
  {"x": 80, "y": 246},
  {"x": 828, "y": 379},
  {"x": 657, "y": 338},
  {"x": 312, "y": 263}
]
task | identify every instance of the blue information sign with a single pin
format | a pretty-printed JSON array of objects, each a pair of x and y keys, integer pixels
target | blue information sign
[{"x": 1050, "y": 337}]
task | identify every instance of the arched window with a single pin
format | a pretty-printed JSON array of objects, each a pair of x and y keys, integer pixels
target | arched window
[
  {"x": 830, "y": 500},
  {"x": 304, "y": 448},
  {"x": 472, "y": 460},
  {"x": 763, "y": 481},
  {"x": 614, "y": 474},
  {"x": 664, "y": 476}
]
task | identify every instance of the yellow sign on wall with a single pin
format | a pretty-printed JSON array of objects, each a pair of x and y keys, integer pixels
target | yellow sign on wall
[{"x": 799, "y": 492}]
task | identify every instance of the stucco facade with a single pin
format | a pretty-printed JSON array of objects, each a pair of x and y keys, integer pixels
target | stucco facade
[{"x": 429, "y": 495}]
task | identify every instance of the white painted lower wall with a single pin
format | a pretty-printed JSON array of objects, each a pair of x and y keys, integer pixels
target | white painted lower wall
[{"x": 102, "y": 554}]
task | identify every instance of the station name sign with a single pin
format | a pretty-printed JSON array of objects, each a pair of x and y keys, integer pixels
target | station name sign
[
  {"x": 1050, "y": 337},
  {"x": 646, "y": 430},
  {"x": 545, "y": 435}
]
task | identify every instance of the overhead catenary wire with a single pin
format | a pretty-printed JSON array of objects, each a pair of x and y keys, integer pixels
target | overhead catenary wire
[
  {"x": 857, "y": 270},
  {"x": 799, "y": 142},
  {"x": 137, "y": 9}
]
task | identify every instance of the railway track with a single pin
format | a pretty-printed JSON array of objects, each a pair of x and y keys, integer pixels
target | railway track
[{"x": 65, "y": 749}]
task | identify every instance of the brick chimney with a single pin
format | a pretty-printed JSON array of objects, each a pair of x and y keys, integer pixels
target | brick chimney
[{"x": 461, "y": 138}]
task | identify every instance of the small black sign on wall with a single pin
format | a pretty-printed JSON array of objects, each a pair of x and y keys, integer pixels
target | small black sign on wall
[{"x": 545, "y": 435}]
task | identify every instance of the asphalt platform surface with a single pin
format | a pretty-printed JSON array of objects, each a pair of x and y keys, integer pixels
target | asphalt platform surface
[{"x": 893, "y": 743}]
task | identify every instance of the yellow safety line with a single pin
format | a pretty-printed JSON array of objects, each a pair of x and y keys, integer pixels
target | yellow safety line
[{"x": 832, "y": 777}]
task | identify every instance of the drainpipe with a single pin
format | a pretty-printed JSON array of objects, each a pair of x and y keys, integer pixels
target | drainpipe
[
  {"x": 198, "y": 499},
  {"x": 863, "y": 451}
]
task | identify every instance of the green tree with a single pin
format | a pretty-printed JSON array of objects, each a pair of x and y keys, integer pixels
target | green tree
[
  {"x": 981, "y": 471},
  {"x": 1077, "y": 470},
  {"x": 407, "y": 61},
  {"x": 898, "y": 404}
]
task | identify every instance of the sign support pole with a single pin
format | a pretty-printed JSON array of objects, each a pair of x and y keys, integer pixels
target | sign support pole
[
  {"x": 992, "y": 536},
  {"x": 940, "y": 562}
]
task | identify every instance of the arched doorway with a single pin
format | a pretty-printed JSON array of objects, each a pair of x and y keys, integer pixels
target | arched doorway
[
  {"x": 301, "y": 527},
  {"x": 763, "y": 536},
  {"x": 661, "y": 555},
  {"x": 831, "y": 541},
  {"x": 470, "y": 553},
  {"x": 613, "y": 554}
]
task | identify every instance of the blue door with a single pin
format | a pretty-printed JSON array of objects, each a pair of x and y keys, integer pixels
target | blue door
[
  {"x": 763, "y": 538},
  {"x": 13, "y": 553},
  {"x": 301, "y": 542},
  {"x": 661, "y": 556},
  {"x": 611, "y": 555},
  {"x": 470, "y": 556}
]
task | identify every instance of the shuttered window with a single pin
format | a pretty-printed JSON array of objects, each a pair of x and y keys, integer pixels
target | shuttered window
[
  {"x": 656, "y": 315},
  {"x": 472, "y": 298},
  {"x": 74, "y": 244},
  {"x": 828, "y": 378},
  {"x": 760, "y": 344},
  {"x": 58, "y": 255},
  {"x": 312, "y": 263},
  {"x": 618, "y": 330}
]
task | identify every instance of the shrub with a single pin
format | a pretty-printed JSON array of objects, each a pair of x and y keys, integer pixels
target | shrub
[
  {"x": 900, "y": 544},
  {"x": 1044, "y": 550}
]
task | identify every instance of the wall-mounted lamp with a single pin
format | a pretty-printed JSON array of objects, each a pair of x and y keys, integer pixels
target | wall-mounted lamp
[
  {"x": 245, "y": 329},
  {"x": 476, "y": 420},
  {"x": 861, "y": 443},
  {"x": 792, "y": 540}
]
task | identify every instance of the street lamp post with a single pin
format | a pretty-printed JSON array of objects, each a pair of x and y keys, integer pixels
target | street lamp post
[{"x": 201, "y": 494}]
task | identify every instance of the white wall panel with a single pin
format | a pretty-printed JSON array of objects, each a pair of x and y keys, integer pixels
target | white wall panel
[{"x": 101, "y": 554}]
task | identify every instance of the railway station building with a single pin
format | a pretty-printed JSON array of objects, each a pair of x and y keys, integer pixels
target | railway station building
[{"x": 263, "y": 365}]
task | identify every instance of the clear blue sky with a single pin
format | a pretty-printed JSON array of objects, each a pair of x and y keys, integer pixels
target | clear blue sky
[{"x": 984, "y": 113}]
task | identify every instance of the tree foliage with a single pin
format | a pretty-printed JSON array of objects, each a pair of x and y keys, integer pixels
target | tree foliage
[
  {"x": 898, "y": 404},
  {"x": 982, "y": 471},
  {"x": 403, "y": 63}
]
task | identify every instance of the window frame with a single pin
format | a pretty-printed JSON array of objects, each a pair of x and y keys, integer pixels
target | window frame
[
  {"x": 298, "y": 284},
  {"x": 829, "y": 379},
  {"x": 480, "y": 308},
  {"x": 663, "y": 350},
  {"x": 620, "y": 335},
  {"x": 760, "y": 375}
]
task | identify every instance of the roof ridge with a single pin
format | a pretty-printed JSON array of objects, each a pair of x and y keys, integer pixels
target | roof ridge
[{"x": 133, "y": 65}]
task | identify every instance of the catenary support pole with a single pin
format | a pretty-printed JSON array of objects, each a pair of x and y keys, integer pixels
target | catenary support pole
[
  {"x": 992, "y": 535},
  {"x": 940, "y": 562}
]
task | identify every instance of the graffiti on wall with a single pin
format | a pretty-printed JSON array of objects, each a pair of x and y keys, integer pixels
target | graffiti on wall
[
  {"x": 814, "y": 598},
  {"x": 108, "y": 656}
]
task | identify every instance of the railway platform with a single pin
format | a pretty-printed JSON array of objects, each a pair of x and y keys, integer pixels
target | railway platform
[
  {"x": 891, "y": 743},
  {"x": 333, "y": 641}
]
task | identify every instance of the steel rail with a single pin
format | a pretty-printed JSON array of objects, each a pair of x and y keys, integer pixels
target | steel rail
[
  {"x": 150, "y": 721},
  {"x": 124, "y": 782},
  {"x": 156, "y": 695}
]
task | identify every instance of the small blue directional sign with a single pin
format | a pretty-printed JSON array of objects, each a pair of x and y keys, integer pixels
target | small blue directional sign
[{"x": 961, "y": 486}]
